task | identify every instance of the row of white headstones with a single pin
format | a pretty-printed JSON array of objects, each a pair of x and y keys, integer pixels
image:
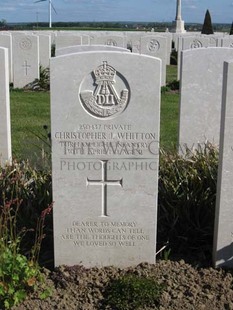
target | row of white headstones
[
  {"x": 105, "y": 133},
  {"x": 27, "y": 50}
]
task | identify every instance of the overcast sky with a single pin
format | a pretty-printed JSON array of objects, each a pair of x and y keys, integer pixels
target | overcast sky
[{"x": 116, "y": 10}]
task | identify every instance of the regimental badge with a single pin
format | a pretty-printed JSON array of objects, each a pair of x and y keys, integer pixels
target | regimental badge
[
  {"x": 153, "y": 46},
  {"x": 196, "y": 44},
  {"x": 110, "y": 96}
]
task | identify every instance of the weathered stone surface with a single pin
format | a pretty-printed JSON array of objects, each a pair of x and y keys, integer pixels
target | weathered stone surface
[
  {"x": 5, "y": 126},
  {"x": 25, "y": 59},
  {"x": 201, "y": 95},
  {"x": 223, "y": 239},
  {"x": 88, "y": 48},
  {"x": 105, "y": 133}
]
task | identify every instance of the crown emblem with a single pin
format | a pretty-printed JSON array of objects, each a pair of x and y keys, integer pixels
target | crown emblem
[{"x": 104, "y": 73}]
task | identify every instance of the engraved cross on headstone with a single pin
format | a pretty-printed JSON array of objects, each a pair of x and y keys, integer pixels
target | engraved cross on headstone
[
  {"x": 104, "y": 182},
  {"x": 26, "y": 66}
]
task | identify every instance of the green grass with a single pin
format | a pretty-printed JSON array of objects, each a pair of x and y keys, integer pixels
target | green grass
[
  {"x": 30, "y": 111},
  {"x": 169, "y": 120},
  {"x": 171, "y": 73}
]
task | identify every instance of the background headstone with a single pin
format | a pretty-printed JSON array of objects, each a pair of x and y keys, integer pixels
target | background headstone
[
  {"x": 6, "y": 41},
  {"x": 25, "y": 59},
  {"x": 110, "y": 40},
  {"x": 88, "y": 48},
  {"x": 189, "y": 42},
  {"x": 201, "y": 95},
  {"x": 44, "y": 50},
  {"x": 5, "y": 126},
  {"x": 64, "y": 40},
  {"x": 223, "y": 237},
  {"x": 156, "y": 47},
  {"x": 105, "y": 109}
]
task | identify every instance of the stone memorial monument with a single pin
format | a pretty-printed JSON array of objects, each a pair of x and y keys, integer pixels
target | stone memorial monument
[
  {"x": 5, "y": 125},
  {"x": 201, "y": 93},
  {"x": 223, "y": 237},
  {"x": 178, "y": 23},
  {"x": 105, "y": 132},
  {"x": 25, "y": 59}
]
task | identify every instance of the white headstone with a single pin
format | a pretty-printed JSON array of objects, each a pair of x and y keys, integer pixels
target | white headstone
[
  {"x": 25, "y": 59},
  {"x": 88, "y": 48},
  {"x": 44, "y": 50},
  {"x": 200, "y": 95},
  {"x": 85, "y": 39},
  {"x": 189, "y": 42},
  {"x": 64, "y": 40},
  {"x": 110, "y": 40},
  {"x": 6, "y": 41},
  {"x": 223, "y": 237},
  {"x": 157, "y": 47},
  {"x": 105, "y": 109},
  {"x": 5, "y": 126},
  {"x": 227, "y": 42}
]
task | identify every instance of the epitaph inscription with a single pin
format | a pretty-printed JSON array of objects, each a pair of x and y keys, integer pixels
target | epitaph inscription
[{"x": 105, "y": 234}]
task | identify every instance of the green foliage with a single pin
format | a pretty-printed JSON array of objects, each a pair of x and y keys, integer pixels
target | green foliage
[
  {"x": 169, "y": 119},
  {"x": 187, "y": 192},
  {"x": 173, "y": 58},
  {"x": 171, "y": 73},
  {"x": 18, "y": 275},
  {"x": 33, "y": 188},
  {"x": 53, "y": 50},
  {"x": 131, "y": 292},
  {"x": 173, "y": 85},
  {"x": 41, "y": 84},
  {"x": 44, "y": 81},
  {"x": 231, "y": 31},
  {"x": 207, "y": 26},
  {"x": 43, "y": 148}
]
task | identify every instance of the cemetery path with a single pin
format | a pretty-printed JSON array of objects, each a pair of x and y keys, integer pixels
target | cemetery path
[{"x": 186, "y": 288}]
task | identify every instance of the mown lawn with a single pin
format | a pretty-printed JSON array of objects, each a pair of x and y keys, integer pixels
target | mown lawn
[{"x": 30, "y": 112}]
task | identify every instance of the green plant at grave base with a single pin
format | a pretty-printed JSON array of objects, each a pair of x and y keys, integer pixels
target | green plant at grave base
[
  {"x": 41, "y": 84},
  {"x": 44, "y": 81},
  {"x": 173, "y": 58},
  {"x": 34, "y": 189},
  {"x": 174, "y": 85},
  {"x": 131, "y": 292},
  {"x": 187, "y": 192},
  {"x": 166, "y": 254},
  {"x": 171, "y": 86},
  {"x": 18, "y": 275},
  {"x": 43, "y": 148},
  {"x": 53, "y": 50}
]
